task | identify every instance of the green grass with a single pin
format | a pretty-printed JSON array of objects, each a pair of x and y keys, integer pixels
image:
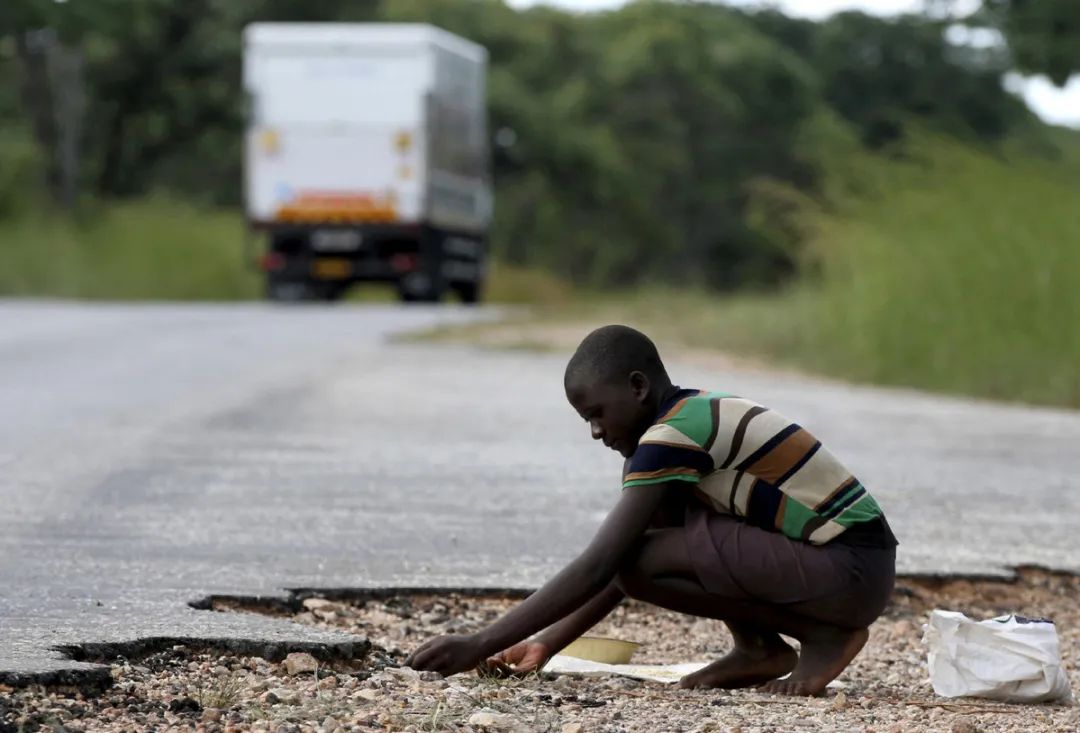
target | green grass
[
  {"x": 962, "y": 275},
  {"x": 156, "y": 249},
  {"x": 956, "y": 270},
  {"x": 159, "y": 249},
  {"x": 515, "y": 285}
]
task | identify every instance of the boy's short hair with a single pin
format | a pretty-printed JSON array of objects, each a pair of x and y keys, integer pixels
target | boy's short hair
[{"x": 610, "y": 353}]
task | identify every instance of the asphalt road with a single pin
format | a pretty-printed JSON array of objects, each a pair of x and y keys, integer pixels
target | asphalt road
[{"x": 153, "y": 455}]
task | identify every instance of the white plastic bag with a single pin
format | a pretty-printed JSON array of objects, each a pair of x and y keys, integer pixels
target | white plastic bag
[{"x": 1007, "y": 658}]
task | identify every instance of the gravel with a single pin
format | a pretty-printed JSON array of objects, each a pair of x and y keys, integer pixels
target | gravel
[{"x": 885, "y": 690}]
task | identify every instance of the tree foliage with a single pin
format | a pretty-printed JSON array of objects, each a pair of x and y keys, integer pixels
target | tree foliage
[
  {"x": 1044, "y": 35},
  {"x": 661, "y": 139}
]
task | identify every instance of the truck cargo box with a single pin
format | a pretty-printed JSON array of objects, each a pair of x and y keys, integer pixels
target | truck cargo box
[{"x": 369, "y": 131}]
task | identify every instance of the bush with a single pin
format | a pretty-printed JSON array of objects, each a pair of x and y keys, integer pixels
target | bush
[{"x": 20, "y": 179}]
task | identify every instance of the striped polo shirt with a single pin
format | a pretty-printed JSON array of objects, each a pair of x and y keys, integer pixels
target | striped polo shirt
[{"x": 748, "y": 461}]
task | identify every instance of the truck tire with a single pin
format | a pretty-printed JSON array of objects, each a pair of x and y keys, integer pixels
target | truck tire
[
  {"x": 426, "y": 296},
  {"x": 331, "y": 292},
  {"x": 469, "y": 292}
]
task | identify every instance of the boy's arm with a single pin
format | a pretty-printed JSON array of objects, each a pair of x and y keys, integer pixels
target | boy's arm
[
  {"x": 532, "y": 654},
  {"x": 557, "y": 636},
  {"x": 576, "y": 584}
]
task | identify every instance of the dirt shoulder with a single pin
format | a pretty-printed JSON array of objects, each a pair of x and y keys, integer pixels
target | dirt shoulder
[{"x": 886, "y": 689}]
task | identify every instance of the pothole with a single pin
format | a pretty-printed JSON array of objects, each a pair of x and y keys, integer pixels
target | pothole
[{"x": 885, "y": 690}]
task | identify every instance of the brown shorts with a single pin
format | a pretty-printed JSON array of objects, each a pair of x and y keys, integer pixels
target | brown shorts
[{"x": 834, "y": 583}]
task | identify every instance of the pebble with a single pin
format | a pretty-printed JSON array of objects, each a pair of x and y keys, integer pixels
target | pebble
[
  {"x": 300, "y": 663},
  {"x": 572, "y": 728},
  {"x": 403, "y": 673},
  {"x": 284, "y": 695},
  {"x": 316, "y": 604},
  {"x": 493, "y": 721},
  {"x": 903, "y": 628}
]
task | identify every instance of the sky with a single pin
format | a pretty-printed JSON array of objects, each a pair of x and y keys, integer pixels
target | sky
[{"x": 1053, "y": 104}]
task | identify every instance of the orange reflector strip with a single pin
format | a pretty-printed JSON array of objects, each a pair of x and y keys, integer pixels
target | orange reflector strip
[{"x": 333, "y": 214}]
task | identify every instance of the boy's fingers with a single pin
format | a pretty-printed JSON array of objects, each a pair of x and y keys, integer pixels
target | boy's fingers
[
  {"x": 500, "y": 667},
  {"x": 510, "y": 656},
  {"x": 496, "y": 666},
  {"x": 417, "y": 657}
]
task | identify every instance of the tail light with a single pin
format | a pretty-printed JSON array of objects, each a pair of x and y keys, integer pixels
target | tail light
[
  {"x": 403, "y": 262},
  {"x": 272, "y": 262}
]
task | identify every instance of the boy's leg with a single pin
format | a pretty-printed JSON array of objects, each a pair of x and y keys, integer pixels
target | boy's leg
[{"x": 663, "y": 574}]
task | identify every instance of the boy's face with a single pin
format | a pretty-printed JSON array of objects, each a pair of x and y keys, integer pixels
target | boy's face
[{"x": 617, "y": 414}]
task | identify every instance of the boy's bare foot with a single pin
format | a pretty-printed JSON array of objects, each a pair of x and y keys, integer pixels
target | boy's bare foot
[
  {"x": 821, "y": 660},
  {"x": 744, "y": 667}
]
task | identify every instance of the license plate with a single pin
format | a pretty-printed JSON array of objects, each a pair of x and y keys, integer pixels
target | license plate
[
  {"x": 331, "y": 269},
  {"x": 332, "y": 241}
]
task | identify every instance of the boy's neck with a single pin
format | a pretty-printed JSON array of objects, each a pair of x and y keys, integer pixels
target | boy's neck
[{"x": 663, "y": 394}]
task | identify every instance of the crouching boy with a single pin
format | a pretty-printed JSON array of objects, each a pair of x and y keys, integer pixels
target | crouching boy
[{"x": 729, "y": 511}]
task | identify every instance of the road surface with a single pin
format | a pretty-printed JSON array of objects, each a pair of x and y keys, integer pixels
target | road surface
[{"x": 151, "y": 455}]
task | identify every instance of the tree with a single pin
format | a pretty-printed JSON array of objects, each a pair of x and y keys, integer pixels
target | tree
[
  {"x": 879, "y": 73},
  {"x": 1044, "y": 35}
]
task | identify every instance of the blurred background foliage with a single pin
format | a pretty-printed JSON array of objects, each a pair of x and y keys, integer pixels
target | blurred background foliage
[{"x": 658, "y": 142}]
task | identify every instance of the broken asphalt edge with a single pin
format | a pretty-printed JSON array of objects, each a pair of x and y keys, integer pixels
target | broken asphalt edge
[{"x": 93, "y": 672}]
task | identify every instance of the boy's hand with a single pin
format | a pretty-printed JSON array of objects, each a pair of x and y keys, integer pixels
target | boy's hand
[
  {"x": 519, "y": 660},
  {"x": 446, "y": 655}
]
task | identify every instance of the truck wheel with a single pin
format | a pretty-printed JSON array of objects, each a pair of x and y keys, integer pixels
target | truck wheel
[
  {"x": 426, "y": 296},
  {"x": 332, "y": 292},
  {"x": 469, "y": 292}
]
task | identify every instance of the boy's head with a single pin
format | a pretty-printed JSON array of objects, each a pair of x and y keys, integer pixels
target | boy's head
[{"x": 615, "y": 380}]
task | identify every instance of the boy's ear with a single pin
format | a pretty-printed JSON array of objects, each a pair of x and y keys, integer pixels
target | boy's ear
[{"x": 639, "y": 385}]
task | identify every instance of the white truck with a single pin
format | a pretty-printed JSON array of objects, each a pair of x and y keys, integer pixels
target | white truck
[{"x": 367, "y": 158}]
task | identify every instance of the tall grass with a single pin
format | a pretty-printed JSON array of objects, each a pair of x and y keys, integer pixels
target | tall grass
[
  {"x": 160, "y": 249},
  {"x": 962, "y": 275},
  {"x": 955, "y": 269},
  {"x": 154, "y": 249}
]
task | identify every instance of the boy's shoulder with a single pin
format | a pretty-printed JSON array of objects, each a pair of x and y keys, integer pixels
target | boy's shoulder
[{"x": 697, "y": 414}]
